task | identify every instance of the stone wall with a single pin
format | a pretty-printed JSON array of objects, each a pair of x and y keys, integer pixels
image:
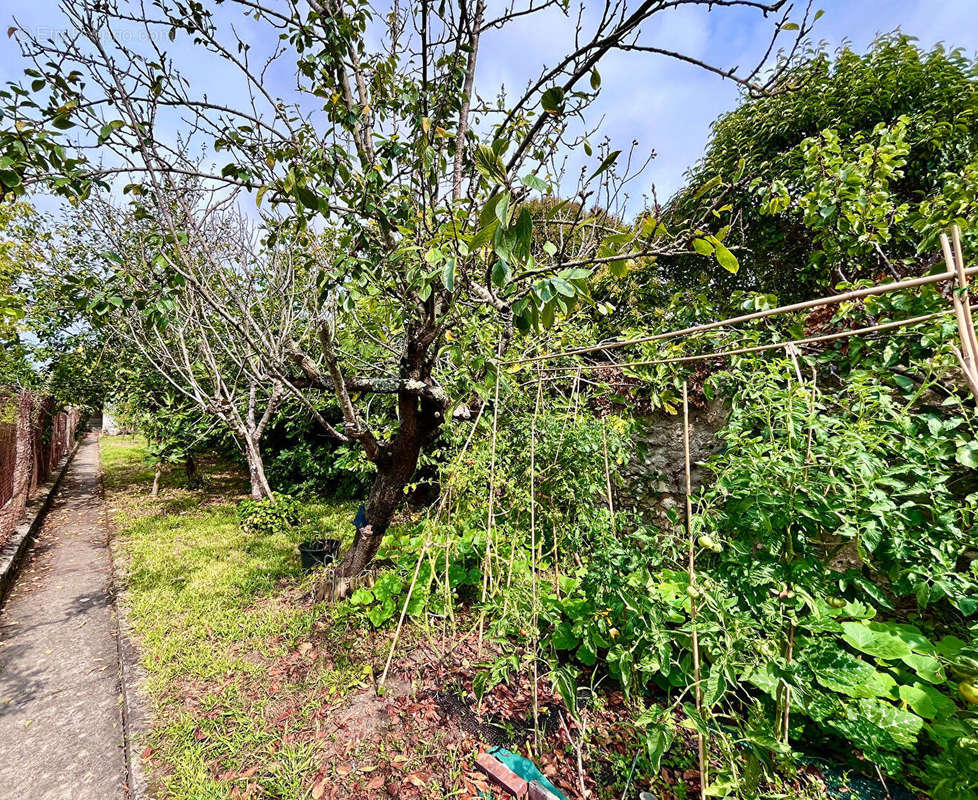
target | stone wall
[{"x": 654, "y": 479}]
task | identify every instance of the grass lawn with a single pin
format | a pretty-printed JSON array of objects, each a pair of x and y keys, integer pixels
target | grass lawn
[{"x": 219, "y": 622}]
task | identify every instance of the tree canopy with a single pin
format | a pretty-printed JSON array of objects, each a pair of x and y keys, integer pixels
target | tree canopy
[{"x": 854, "y": 172}]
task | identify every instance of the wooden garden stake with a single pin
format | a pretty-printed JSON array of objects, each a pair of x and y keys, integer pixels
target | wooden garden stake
[
  {"x": 607, "y": 475},
  {"x": 965, "y": 287},
  {"x": 575, "y": 397},
  {"x": 490, "y": 505},
  {"x": 793, "y": 352},
  {"x": 968, "y": 354},
  {"x": 490, "y": 515},
  {"x": 421, "y": 555},
  {"x": 533, "y": 556},
  {"x": 700, "y": 740}
]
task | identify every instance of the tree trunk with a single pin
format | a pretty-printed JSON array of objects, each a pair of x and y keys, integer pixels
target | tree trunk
[
  {"x": 420, "y": 422},
  {"x": 420, "y": 418},
  {"x": 386, "y": 495},
  {"x": 256, "y": 470},
  {"x": 156, "y": 481},
  {"x": 190, "y": 466}
]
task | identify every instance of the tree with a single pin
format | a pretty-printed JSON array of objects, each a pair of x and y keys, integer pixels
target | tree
[
  {"x": 854, "y": 172},
  {"x": 22, "y": 240},
  {"x": 189, "y": 338},
  {"x": 176, "y": 428},
  {"x": 417, "y": 183},
  {"x": 862, "y": 111},
  {"x": 33, "y": 153}
]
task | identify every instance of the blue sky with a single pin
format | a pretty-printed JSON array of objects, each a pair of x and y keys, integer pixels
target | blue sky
[{"x": 665, "y": 105}]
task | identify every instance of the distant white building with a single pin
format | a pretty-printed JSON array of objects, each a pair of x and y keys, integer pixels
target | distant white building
[{"x": 109, "y": 426}]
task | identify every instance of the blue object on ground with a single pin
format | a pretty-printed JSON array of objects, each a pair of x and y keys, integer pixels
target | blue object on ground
[{"x": 526, "y": 769}]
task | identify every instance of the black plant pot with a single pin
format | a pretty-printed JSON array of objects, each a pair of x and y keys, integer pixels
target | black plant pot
[{"x": 318, "y": 552}]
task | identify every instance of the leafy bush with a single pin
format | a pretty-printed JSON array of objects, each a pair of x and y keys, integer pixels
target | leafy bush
[
  {"x": 268, "y": 516},
  {"x": 437, "y": 589}
]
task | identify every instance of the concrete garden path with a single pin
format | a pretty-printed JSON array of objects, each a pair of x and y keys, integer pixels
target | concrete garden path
[{"x": 61, "y": 728}]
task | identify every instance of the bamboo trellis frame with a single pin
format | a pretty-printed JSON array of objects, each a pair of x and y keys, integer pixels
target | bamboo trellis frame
[
  {"x": 783, "y": 345},
  {"x": 955, "y": 271},
  {"x": 967, "y": 354}
]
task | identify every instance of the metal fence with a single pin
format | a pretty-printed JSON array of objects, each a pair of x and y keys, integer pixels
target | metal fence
[{"x": 33, "y": 440}]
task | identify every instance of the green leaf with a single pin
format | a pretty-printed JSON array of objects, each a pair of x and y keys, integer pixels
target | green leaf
[
  {"x": 9, "y": 178},
  {"x": 726, "y": 259},
  {"x": 501, "y": 209},
  {"x": 967, "y": 455},
  {"x": 842, "y": 672},
  {"x": 434, "y": 256},
  {"x": 609, "y": 159},
  {"x": 904, "y": 382},
  {"x": 586, "y": 653},
  {"x": 482, "y": 238},
  {"x": 902, "y": 726},
  {"x": 501, "y": 273},
  {"x": 383, "y": 612},
  {"x": 553, "y": 100},
  {"x": 703, "y": 247},
  {"x": 563, "y": 287},
  {"x": 926, "y": 667},
  {"x": 361, "y": 597},
  {"x": 711, "y": 184},
  {"x": 523, "y": 235},
  {"x": 488, "y": 213},
  {"x": 927, "y": 701},
  {"x": 875, "y": 639},
  {"x": 949, "y": 646},
  {"x": 448, "y": 274},
  {"x": 108, "y": 128},
  {"x": 595, "y": 80},
  {"x": 564, "y": 681},
  {"x": 489, "y": 164},
  {"x": 307, "y": 197}
]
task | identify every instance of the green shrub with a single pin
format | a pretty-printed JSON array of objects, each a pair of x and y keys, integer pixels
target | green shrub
[{"x": 268, "y": 516}]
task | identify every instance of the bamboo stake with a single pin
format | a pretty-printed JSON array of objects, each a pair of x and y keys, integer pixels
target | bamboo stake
[
  {"x": 968, "y": 354},
  {"x": 793, "y": 352},
  {"x": 490, "y": 517},
  {"x": 424, "y": 550},
  {"x": 575, "y": 394},
  {"x": 607, "y": 475},
  {"x": 828, "y": 337},
  {"x": 700, "y": 740},
  {"x": 967, "y": 345},
  {"x": 563, "y": 426},
  {"x": 533, "y": 559},
  {"x": 963, "y": 283},
  {"x": 882, "y": 288},
  {"x": 972, "y": 382}
]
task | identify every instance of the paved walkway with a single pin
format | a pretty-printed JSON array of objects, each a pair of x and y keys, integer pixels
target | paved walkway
[{"x": 61, "y": 733}]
